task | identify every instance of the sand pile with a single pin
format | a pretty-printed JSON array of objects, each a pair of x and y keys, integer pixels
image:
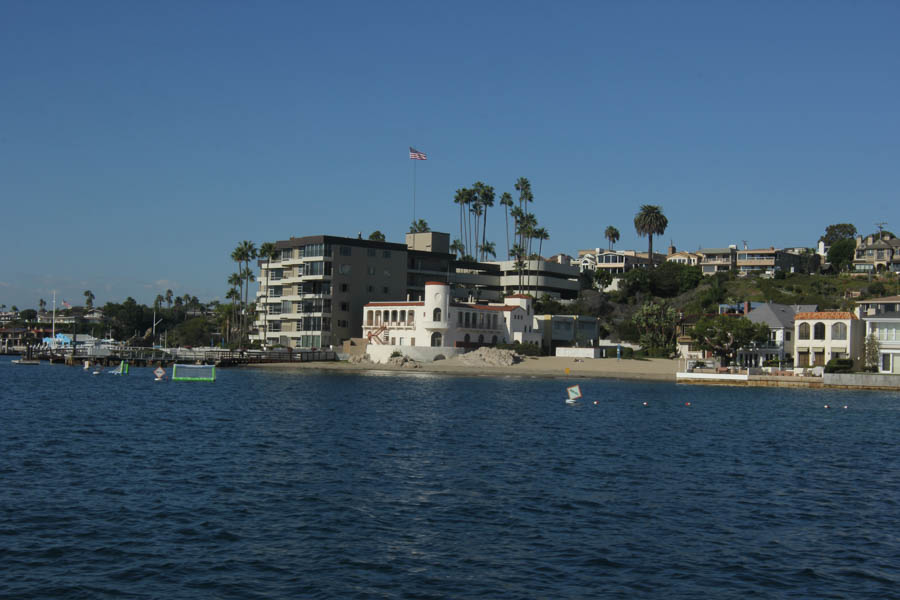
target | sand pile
[
  {"x": 490, "y": 357},
  {"x": 403, "y": 362},
  {"x": 357, "y": 359}
]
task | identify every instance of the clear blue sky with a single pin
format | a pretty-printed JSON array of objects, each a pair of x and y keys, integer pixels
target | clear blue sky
[{"x": 140, "y": 142}]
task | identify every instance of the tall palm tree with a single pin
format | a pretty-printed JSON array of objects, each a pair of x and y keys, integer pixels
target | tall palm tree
[
  {"x": 235, "y": 296},
  {"x": 169, "y": 295},
  {"x": 649, "y": 221},
  {"x": 236, "y": 281},
  {"x": 42, "y": 304},
  {"x": 523, "y": 186},
  {"x": 420, "y": 226},
  {"x": 267, "y": 251},
  {"x": 506, "y": 201},
  {"x": 245, "y": 252},
  {"x": 158, "y": 302},
  {"x": 89, "y": 299},
  {"x": 487, "y": 201},
  {"x": 462, "y": 199},
  {"x": 612, "y": 234}
]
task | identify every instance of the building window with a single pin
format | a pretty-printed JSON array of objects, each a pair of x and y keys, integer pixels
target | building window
[
  {"x": 345, "y": 307},
  {"x": 344, "y": 269},
  {"x": 386, "y": 290},
  {"x": 370, "y": 251},
  {"x": 437, "y": 315},
  {"x": 839, "y": 331},
  {"x": 387, "y": 254},
  {"x": 819, "y": 331},
  {"x": 370, "y": 289},
  {"x": 787, "y": 336},
  {"x": 346, "y": 251},
  {"x": 803, "y": 331},
  {"x": 371, "y": 270},
  {"x": 345, "y": 287},
  {"x": 369, "y": 318},
  {"x": 436, "y": 339}
]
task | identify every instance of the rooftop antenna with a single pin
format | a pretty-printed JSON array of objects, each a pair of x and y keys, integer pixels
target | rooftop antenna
[{"x": 880, "y": 225}]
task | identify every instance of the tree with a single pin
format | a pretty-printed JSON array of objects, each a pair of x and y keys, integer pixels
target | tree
[
  {"x": 158, "y": 302},
  {"x": 89, "y": 299},
  {"x": 268, "y": 251},
  {"x": 657, "y": 327},
  {"x": 506, "y": 201},
  {"x": 42, "y": 304},
  {"x": 488, "y": 248},
  {"x": 612, "y": 234},
  {"x": 603, "y": 278},
  {"x": 485, "y": 195},
  {"x": 420, "y": 226},
  {"x": 375, "y": 236},
  {"x": 540, "y": 234},
  {"x": 244, "y": 252},
  {"x": 671, "y": 279},
  {"x": 841, "y": 253},
  {"x": 724, "y": 335},
  {"x": 463, "y": 197},
  {"x": 873, "y": 352},
  {"x": 29, "y": 314},
  {"x": 837, "y": 232},
  {"x": 14, "y": 308},
  {"x": 169, "y": 295},
  {"x": 650, "y": 221},
  {"x": 458, "y": 247}
]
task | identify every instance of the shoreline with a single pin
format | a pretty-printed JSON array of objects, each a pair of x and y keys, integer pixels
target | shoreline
[{"x": 652, "y": 369}]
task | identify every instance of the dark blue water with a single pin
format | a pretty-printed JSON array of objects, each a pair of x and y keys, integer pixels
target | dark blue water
[{"x": 316, "y": 485}]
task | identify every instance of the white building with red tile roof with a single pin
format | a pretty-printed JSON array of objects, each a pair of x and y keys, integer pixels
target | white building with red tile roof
[
  {"x": 882, "y": 319},
  {"x": 440, "y": 322},
  {"x": 823, "y": 335}
]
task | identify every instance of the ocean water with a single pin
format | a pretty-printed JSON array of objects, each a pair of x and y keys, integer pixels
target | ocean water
[{"x": 324, "y": 485}]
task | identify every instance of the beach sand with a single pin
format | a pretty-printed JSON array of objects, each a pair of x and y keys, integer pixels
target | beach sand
[{"x": 655, "y": 369}]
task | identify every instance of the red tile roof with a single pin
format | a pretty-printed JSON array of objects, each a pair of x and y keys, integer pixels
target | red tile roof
[
  {"x": 824, "y": 315},
  {"x": 383, "y": 304}
]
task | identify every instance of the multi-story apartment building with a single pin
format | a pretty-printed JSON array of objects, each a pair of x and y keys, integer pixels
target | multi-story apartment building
[
  {"x": 717, "y": 260},
  {"x": 882, "y": 319},
  {"x": 311, "y": 295},
  {"x": 877, "y": 253}
]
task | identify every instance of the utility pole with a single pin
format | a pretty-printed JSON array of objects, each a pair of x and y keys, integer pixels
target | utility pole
[{"x": 880, "y": 225}]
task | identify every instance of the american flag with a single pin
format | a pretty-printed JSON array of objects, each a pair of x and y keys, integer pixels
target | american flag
[
  {"x": 66, "y": 304},
  {"x": 416, "y": 155}
]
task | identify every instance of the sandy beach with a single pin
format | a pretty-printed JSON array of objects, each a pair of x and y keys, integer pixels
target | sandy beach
[{"x": 654, "y": 369}]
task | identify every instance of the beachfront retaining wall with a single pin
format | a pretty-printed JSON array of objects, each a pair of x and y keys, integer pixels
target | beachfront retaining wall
[
  {"x": 862, "y": 380},
  {"x": 382, "y": 353},
  {"x": 580, "y": 352}
]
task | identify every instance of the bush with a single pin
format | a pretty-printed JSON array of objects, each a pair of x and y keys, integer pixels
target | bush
[
  {"x": 396, "y": 354},
  {"x": 839, "y": 365},
  {"x": 627, "y": 352}
]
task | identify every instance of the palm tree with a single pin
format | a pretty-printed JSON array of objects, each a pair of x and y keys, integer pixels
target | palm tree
[
  {"x": 233, "y": 294},
  {"x": 462, "y": 198},
  {"x": 237, "y": 283},
  {"x": 169, "y": 298},
  {"x": 42, "y": 304},
  {"x": 244, "y": 253},
  {"x": 420, "y": 226},
  {"x": 518, "y": 252},
  {"x": 458, "y": 247},
  {"x": 523, "y": 186},
  {"x": 612, "y": 234},
  {"x": 506, "y": 201},
  {"x": 488, "y": 248},
  {"x": 485, "y": 201},
  {"x": 158, "y": 302},
  {"x": 89, "y": 299},
  {"x": 649, "y": 221},
  {"x": 267, "y": 251},
  {"x": 375, "y": 236}
]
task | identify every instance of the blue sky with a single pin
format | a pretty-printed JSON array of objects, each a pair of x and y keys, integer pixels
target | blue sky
[{"x": 140, "y": 142}]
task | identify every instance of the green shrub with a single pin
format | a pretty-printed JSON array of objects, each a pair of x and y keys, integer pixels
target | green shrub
[
  {"x": 839, "y": 365},
  {"x": 396, "y": 354}
]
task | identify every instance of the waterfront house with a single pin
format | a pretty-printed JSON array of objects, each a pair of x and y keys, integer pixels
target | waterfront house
[
  {"x": 882, "y": 320},
  {"x": 717, "y": 260},
  {"x": 823, "y": 335},
  {"x": 877, "y": 254},
  {"x": 778, "y": 350},
  {"x": 437, "y": 321}
]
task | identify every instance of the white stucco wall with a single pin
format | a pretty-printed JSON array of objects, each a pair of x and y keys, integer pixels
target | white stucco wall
[{"x": 381, "y": 354}]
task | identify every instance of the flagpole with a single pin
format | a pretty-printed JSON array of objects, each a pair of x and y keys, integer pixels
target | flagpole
[{"x": 414, "y": 190}]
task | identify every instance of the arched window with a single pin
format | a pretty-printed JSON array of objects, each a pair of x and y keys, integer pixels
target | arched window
[
  {"x": 378, "y": 317},
  {"x": 819, "y": 331},
  {"x": 437, "y": 315},
  {"x": 803, "y": 331},
  {"x": 403, "y": 316},
  {"x": 411, "y": 317},
  {"x": 436, "y": 339},
  {"x": 394, "y": 316},
  {"x": 839, "y": 331}
]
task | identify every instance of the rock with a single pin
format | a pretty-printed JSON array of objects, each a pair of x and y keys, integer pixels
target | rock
[{"x": 491, "y": 357}]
